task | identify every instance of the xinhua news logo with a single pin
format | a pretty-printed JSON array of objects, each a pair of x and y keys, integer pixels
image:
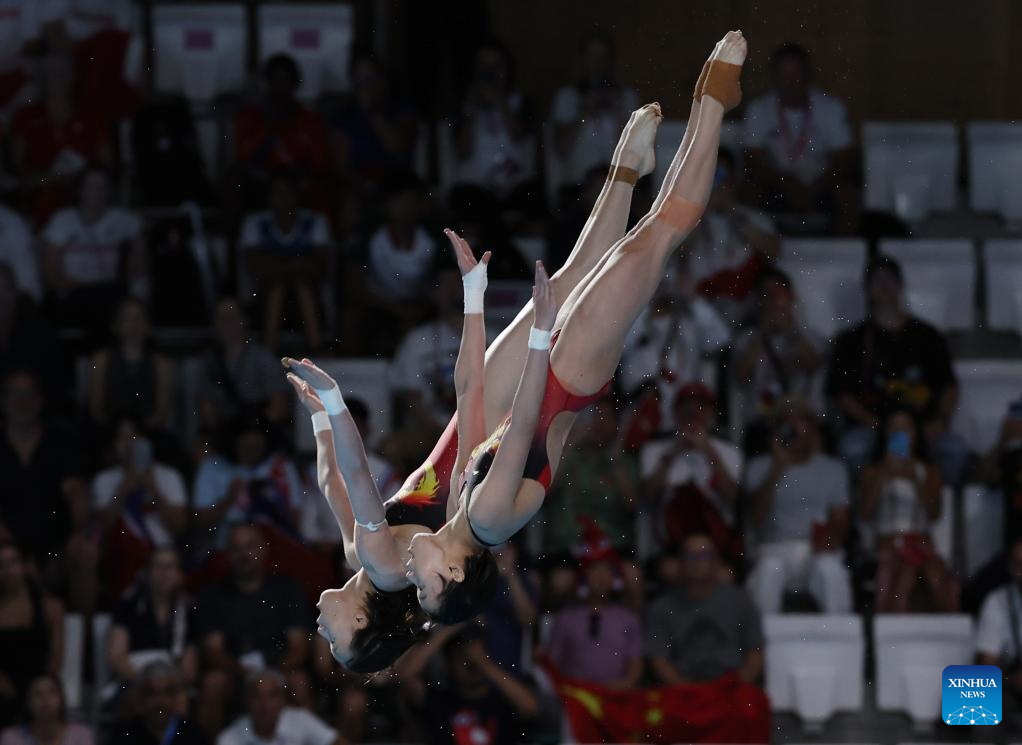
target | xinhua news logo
[{"x": 971, "y": 694}]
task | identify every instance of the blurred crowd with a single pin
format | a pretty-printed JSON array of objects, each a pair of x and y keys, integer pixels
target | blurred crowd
[{"x": 148, "y": 459}]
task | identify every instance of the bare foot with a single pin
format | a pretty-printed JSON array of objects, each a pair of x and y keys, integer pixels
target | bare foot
[
  {"x": 732, "y": 49},
  {"x": 635, "y": 148}
]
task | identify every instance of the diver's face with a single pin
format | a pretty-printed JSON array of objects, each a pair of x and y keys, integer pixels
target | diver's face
[
  {"x": 341, "y": 614},
  {"x": 431, "y": 567}
]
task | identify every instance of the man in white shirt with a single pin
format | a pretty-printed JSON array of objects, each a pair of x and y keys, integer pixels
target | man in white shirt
[
  {"x": 16, "y": 251},
  {"x": 798, "y": 144},
  {"x": 270, "y": 722},
  {"x": 999, "y": 630}
]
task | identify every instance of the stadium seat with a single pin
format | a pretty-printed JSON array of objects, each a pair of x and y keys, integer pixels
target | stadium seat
[
  {"x": 995, "y": 160},
  {"x": 911, "y": 167},
  {"x": 101, "y": 623},
  {"x": 986, "y": 389},
  {"x": 365, "y": 379},
  {"x": 814, "y": 664},
  {"x": 940, "y": 280},
  {"x": 318, "y": 36},
  {"x": 200, "y": 50},
  {"x": 71, "y": 665},
  {"x": 1002, "y": 281},
  {"x": 911, "y": 652},
  {"x": 827, "y": 274}
]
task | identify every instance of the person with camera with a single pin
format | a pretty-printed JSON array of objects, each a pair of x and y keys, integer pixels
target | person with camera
[{"x": 800, "y": 512}]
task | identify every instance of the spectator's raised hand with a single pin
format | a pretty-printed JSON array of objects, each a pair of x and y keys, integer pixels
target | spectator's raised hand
[
  {"x": 306, "y": 395},
  {"x": 309, "y": 372}
]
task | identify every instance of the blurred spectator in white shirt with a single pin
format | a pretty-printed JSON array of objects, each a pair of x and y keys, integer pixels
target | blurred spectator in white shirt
[
  {"x": 999, "y": 630},
  {"x": 588, "y": 115},
  {"x": 798, "y": 144},
  {"x": 16, "y": 250},
  {"x": 270, "y": 721}
]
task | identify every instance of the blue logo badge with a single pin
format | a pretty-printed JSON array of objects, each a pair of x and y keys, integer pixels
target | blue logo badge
[{"x": 971, "y": 694}]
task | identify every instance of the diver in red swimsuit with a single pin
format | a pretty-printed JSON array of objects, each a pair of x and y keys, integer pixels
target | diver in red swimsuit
[{"x": 510, "y": 471}]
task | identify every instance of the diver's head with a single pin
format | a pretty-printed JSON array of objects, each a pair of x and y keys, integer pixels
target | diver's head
[{"x": 454, "y": 582}]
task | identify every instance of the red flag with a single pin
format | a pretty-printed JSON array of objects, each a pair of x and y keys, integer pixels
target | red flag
[{"x": 720, "y": 711}]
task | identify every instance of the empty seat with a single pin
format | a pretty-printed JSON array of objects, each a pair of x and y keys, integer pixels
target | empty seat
[
  {"x": 364, "y": 379},
  {"x": 911, "y": 653},
  {"x": 940, "y": 280},
  {"x": 911, "y": 167},
  {"x": 200, "y": 50},
  {"x": 1002, "y": 279},
  {"x": 71, "y": 665},
  {"x": 814, "y": 664},
  {"x": 318, "y": 37},
  {"x": 995, "y": 160},
  {"x": 986, "y": 389},
  {"x": 827, "y": 274}
]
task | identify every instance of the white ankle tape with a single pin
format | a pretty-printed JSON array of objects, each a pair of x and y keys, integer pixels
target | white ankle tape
[
  {"x": 474, "y": 283},
  {"x": 320, "y": 422},
  {"x": 539, "y": 339},
  {"x": 332, "y": 400}
]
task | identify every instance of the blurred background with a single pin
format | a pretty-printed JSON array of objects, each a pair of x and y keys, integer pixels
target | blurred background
[{"x": 802, "y": 500}]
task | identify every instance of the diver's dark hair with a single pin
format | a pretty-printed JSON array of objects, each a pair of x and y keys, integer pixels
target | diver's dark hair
[
  {"x": 460, "y": 601},
  {"x": 394, "y": 622}
]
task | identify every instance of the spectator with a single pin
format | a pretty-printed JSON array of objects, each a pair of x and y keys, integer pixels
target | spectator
[
  {"x": 52, "y": 139},
  {"x": 163, "y": 706},
  {"x": 251, "y": 621},
  {"x": 671, "y": 340},
  {"x": 706, "y": 628},
  {"x": 775, "y": 359},
  {"x": 474, "y": 699},
  {"x": 493, "y": 140},
  {"x": 46, "y": 723},
  {"x": 900, "y": 496},
  {"x": 598, "y": 640},
  {"x": 389, "y": 283},
  {"x": 374, "y": 131},
  {"x": 238, "y": 374},
  {"x": 279, "y": 132},
  {"x": 421, "y": 375},
  {"x": 286, "y": 252},
  {"x": 318, "y": 524},
  {"x": 732, "y": 245},
  {"x": 84, "y": 249},
  {"x": 256, "y": 482},
  {"x": 799, "y": 144},
  {"x": 893, "y": 359},
  {"x": 28, "y": 343},
  {"x": 600, "y": 483},
  {"x": 511, "y": 613},
  {"x": 800, "y": 512},
  {"x": 31, "y": 632},
  {"x": 131, "y": 378},
  {"x": 44, "y": 500},
  {"x": 690, "y": 479},
  {"x": 17, "y": 250},
  {"x": 269, "y": 720},
  {"x": 140, "y": 506},
  {"x": 999, "y": 630},
  {"x": 588, "y": 116},
  {"x": 152, "y": 623}
]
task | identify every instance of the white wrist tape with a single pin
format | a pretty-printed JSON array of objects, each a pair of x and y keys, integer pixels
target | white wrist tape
[
  {"x": 539, "y": 339},
  {"x": 372, "y": 527},
  {"x": 332, "y": 400},
  {"x": 474, "y": 283},
  {"x": 320, "y": 422}
]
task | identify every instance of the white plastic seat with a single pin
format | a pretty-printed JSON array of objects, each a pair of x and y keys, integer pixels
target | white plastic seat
[
  {"x": 911, "y": 167},
  {"x": 319, "y": 38},
  {"x": 364, "y": 379},
  {"x": 71, "y": 665},
  {"x": 911, "y": 653},
  {"x": 814, "y": 664},
  {"x": 1002, "y": 280},
  {"x": 995, "y": 160},
  {"x": 101, "y": 623},
  {"x": 940, "y": 279},
  {"x": 200, "y": 49},
  {"x": 827, "y": 275},
  {"x": 986, "y": 389}
]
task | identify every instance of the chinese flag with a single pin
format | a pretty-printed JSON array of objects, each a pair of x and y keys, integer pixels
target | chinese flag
[{"x": 721, "y": 711}]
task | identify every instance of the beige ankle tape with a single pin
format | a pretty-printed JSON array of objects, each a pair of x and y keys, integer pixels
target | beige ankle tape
[
  {"x": 624, "y": 174},
  {"x": 697, "y": 94},
  {"x": 723, "y": 83},
  {"x": 680, "y": 213}
]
